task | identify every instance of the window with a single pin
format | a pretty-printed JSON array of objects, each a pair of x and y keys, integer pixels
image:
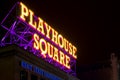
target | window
[
  {"x": 23, "y": 75},
  {"x": 33, "y": 77}
]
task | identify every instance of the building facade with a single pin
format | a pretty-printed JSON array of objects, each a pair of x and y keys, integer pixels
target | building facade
[
  {"x": 18, "y": 64},
  {"x": 115, "y": 66},
  {"x": 30, "y": 49},
  {"x": 106, "y": 70}
]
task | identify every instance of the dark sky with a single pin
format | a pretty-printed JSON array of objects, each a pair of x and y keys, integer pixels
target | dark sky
[{"x": 88, "y": 24}]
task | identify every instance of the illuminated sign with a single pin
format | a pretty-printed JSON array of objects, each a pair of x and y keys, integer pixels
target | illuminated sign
[
  {"x": 44, "y": 46},
  {"x": 30, "y": 32},
  {"x": 40, "y": 71}
]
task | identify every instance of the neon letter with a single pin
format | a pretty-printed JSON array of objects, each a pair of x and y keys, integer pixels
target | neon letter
[
  {"x": 43, "y": 44},
  {"x": 70, "y": 48},
  {"x": 54, "y": 36},
  {"x": 50, "y": 50},
  {"x": 40, "y": 26},
  {"x": 55, "y": 57},
  {"x": 24, "y": 11},
  {"x": 48, "y": 28},
  {"x": 66, "y": 45},
  {"x": 60, "y": 41},
  {"x": 68, "y": 62},
  {"x": 74, "y": 52},
  {"x": 36, "y": 43},
  {"x": 32, "y": 22},
  {"x": 62, "y": 57}
]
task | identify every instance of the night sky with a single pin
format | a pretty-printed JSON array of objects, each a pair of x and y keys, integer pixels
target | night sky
[{"x": 86, "y": 24}]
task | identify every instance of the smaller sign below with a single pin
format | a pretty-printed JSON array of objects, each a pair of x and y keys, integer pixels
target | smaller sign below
[{"x": 39, "y": 71}]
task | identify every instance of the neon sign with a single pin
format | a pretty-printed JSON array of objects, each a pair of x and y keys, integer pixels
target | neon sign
[
  {"x": 45, "y": 47},
  {"x": 33, "y": 34}
]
